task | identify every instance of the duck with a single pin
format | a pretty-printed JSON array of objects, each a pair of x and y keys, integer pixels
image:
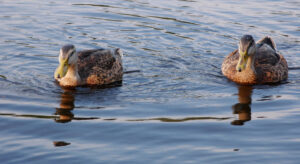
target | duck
[
  {"x": 88, "y": 67},
  {"x": 255, "y": 62}
]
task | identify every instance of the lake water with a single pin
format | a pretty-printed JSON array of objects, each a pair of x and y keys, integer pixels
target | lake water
[{"x": 178, "y": 108}]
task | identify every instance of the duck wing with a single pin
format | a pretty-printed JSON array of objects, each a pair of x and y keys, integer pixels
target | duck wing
[
  {"x": 266, "y": 51},
  {"x": 100, "y": 66},
  {"x": 270, "y": 66}
]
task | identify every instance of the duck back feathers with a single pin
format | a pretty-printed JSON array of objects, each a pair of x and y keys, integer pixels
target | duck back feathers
[{"x": 100, "y": 66}]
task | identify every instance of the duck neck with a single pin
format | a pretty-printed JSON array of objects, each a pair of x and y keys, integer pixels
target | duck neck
[
  {"x": 250, "y": 64},
  {"x": 72, "y": 75}
]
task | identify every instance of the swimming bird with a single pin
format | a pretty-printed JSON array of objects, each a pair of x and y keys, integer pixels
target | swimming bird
[
  {"x": 255, "y": 63},
  {"x": 88, "y": 67}
]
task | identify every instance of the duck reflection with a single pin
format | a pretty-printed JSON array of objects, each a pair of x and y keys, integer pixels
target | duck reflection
[
  {"x": 243, "y": 108},
  {"x": 66, "y": 106},
  {"x": 67, "y": 103}
]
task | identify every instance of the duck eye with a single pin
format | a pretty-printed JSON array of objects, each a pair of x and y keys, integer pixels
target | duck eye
[
  {"x": 252, "y": 42},
  {"x": 71, "y": 53}
]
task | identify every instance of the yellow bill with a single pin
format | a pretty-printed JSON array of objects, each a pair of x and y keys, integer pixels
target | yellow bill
[
  {"x": 241, "y": 66},
  {"x": 61, "y": 70}
]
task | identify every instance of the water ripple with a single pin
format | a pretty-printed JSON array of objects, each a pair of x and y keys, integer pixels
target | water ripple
[{"x": 173, "y": 106}]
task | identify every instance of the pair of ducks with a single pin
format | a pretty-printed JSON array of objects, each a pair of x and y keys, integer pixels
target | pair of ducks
[{"x": 252, "y": 63}]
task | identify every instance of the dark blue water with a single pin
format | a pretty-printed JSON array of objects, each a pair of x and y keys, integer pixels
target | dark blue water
[{"x": 178, "y": 108}]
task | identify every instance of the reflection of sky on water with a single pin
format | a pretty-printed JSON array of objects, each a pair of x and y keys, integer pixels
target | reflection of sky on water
[{"x": 177, "y": 107}]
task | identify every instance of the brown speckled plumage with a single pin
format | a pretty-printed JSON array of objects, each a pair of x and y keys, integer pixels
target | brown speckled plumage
[
  {"x": 88, "y": 67},
  {"x": 97, "y": 67},
  {"x": 268, "y": 66}
]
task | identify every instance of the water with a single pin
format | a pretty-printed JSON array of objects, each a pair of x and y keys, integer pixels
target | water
[{"x": 177, "y": 109}]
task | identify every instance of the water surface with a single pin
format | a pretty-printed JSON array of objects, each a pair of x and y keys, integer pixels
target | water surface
[{"x": 177, "y": 109}]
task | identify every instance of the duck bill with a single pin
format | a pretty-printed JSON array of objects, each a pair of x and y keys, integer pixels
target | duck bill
[
  {"x": 61, "y": 69},
  {"x": 241, "y": 66}
]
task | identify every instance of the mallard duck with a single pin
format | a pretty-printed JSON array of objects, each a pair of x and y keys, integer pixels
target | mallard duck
[
  {"x": 88, "y": 67},
  {"x": 255, "y": 63}
]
